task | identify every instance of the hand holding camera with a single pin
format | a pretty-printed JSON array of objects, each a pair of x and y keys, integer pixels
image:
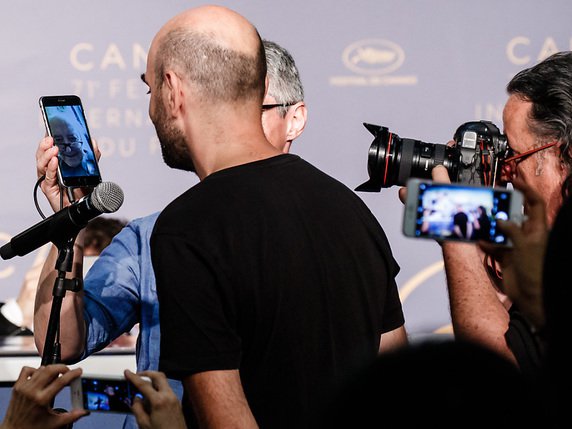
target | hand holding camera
[
  {"x": 467, "y": 210},
  {"x": 474, "y": 157}
]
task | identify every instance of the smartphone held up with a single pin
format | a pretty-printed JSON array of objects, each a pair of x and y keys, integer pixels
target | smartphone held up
[
  {"x": 65, "y": 121},
  {"x": 459, "y": 212},
  {"x": 103, "y": 393}
]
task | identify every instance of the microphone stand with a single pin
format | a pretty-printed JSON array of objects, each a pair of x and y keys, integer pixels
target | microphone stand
[
  {"x": 64, "y": 264},
  {"x": 52, "y": 346}
]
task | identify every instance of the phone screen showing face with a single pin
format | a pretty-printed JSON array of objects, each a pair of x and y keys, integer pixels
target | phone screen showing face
[
  {"x": 459, "y": 212},
  {"x": 107, "y": 394},
  {"x": 65, "y": 122}
]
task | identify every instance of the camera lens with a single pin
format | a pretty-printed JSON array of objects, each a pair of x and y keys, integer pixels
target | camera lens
[{"x": 392, "y": 160}]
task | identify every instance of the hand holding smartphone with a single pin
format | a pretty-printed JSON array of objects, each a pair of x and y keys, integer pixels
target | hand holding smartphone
[
  {"x": 65, "y": 121},
  {"x": 459, "y": 212},
  {"x": 103, "y": 393}
]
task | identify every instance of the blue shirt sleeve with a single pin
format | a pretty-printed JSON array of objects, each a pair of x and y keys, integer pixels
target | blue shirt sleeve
[{"x": 116, "y": 285}]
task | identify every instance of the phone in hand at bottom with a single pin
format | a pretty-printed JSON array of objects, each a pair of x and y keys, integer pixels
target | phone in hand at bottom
[
  {"x": 103, "y": 393},
  {"x": 459, "y": 212}
]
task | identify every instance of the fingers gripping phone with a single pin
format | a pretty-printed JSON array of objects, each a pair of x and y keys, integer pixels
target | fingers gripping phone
[
  {"x": 65, "y": 121},
  {"x": 459, "y": 212},
  {"x": 103, "y": 393}
]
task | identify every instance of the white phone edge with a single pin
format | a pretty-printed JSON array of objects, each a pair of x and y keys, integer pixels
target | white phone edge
[{"x": 76, "y": 394}]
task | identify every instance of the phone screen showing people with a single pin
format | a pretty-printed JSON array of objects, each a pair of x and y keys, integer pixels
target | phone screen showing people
[
  {"x": 101, "y": 394},
  {"x": 66, "y": 123},
  {"x": 459, "y": 212}
]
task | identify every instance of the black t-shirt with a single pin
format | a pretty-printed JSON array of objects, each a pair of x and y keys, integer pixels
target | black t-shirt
[
  {"x": 557, "y": 297},
  {"x": 460, "y": 219},
  {"x": 483, "y": 232},
  {"x": 524, "y": 344},
  {"x": 278, "y": 270}
]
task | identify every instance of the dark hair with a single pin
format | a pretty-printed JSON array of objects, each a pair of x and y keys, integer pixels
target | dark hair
[
  {"x": 220, "y": 74},
  {"x": 548, "y": 86},
  {"x": 100, "y": 231}
]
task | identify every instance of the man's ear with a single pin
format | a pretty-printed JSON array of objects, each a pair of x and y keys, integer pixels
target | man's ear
[
  {"x": 266, "y": 85},
  {"x": 174, "y": 92},
  {"x": 297, "y": 117}
]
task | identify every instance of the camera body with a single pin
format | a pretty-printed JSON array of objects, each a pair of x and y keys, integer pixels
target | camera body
[{"x": 475, "y": 158}]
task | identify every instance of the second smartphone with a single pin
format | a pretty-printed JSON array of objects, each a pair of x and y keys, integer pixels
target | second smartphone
[
  {"x": 459, "y": 212},
  {"x": 103, "y": 393},
  {"x": 65, "y": 121}
]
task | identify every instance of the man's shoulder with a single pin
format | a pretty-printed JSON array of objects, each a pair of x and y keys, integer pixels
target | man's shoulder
[
  {"x": 138, "y": 229},
  {"x": 145, "y": 222},
  {"x": 142, "y": 224}
]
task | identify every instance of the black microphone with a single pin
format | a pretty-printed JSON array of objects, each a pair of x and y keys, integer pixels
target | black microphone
[{"x": 64, "y": 225}]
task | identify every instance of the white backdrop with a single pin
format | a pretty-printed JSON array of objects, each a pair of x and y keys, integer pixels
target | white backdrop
[{"x": 420, "y": 67}]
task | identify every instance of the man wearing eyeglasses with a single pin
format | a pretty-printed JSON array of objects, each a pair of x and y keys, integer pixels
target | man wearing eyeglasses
[
  {"x": 538, "y": 123},
  {"x": 68, "y": 138},
  {"x": 284, "y": 112},
  {"x": 121, "y": 283}
]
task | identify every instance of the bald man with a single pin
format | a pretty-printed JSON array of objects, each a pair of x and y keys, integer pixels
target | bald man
[
  {"x": 119, "y": 290},
  {"x": 275, "y": 282}
]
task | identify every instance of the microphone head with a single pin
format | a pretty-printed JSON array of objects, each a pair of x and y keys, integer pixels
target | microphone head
[{"x": 107, "y": 197}]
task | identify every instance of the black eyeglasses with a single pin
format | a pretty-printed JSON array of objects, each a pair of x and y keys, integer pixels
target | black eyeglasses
[{"x": 272, "y": 106}]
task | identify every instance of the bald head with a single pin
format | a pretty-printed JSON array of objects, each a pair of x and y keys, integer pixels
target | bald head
[
  {"x": 217, "y": 50},
  {"x": 231, "y": 30}
]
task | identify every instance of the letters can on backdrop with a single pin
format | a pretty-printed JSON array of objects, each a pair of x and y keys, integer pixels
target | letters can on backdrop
[{"x": 420, "y": 68}]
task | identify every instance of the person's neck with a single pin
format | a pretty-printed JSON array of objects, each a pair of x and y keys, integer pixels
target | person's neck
[
  {"x": 229, "y": 138},
  {"x": 243, "y": 152}
]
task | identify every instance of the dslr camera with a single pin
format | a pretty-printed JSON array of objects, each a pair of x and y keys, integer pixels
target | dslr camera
[{"x": 475, "y": 158}]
